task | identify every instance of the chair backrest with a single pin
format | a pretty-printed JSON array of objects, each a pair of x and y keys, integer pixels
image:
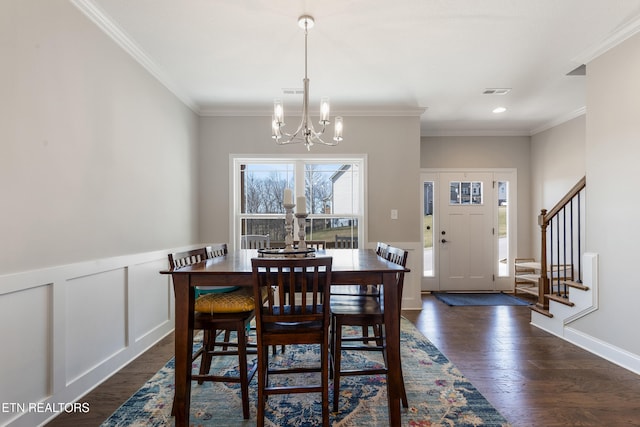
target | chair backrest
[
  {"x": 346, "y": 242},
  {"x": 255, "y": 241},
  {"x": 309, "y": 279},
  {"x": 381, "y": 249},
  {"x": 216, "y": 250},
  {"x": 398, "y": 256},
  {"x": 318, "y": 245},
  {"x": 182, "y": 259}
]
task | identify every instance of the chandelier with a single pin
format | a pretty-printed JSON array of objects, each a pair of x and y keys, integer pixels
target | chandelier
[{"x": 305, "y": 132}]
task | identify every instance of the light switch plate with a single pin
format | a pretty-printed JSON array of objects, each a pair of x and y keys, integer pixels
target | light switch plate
[{"x": 394, "y": 213}]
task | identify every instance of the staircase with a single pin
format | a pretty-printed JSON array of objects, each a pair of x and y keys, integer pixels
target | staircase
[{"x": 567, "y": 289}]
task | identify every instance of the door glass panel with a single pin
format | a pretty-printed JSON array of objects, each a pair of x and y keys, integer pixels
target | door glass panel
[
  {"x": 503, "y": 228},
  {"x": 465, "y": 193},
  {"x": 427, "y": 228},
  {"x": 454, "y": 193}
]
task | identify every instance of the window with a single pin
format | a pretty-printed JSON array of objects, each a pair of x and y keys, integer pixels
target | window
[
  {"x": 465, "y": 193},
  {"x": 333, "y": 188},
  {"x": 503, "y": 228},
  {"x": 427, "y": 228}
]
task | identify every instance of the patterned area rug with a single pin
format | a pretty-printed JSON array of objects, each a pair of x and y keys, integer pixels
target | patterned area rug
[{"x": 438, "y": 395}]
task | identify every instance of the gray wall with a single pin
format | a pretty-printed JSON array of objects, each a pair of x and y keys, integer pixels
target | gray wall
[
  {"x": 488, "y": 152},
  {"x": 391, "y": 144},
  {"x": 612, "y": 153},
  {"x": 557, "y": 164},
  {"x": 98, "y": 158}
]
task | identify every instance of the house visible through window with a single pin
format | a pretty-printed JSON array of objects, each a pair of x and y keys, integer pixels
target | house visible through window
[{"x": 333, "y": 188}]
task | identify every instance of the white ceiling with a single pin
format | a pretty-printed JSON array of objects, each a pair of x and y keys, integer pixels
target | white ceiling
[{"x": 225, "y": 57}]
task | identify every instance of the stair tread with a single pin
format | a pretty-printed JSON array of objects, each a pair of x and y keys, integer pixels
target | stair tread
[
  {"x": 560, "y": 299},
  {"x": 541, "y": 311},
  {"x": 576, "y": 285}
]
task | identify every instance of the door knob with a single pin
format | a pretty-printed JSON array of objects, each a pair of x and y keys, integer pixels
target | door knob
[{"x": 444, "y": 240}]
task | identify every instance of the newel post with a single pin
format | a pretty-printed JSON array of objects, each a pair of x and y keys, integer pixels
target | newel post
[{"x": 543, "y": 282}]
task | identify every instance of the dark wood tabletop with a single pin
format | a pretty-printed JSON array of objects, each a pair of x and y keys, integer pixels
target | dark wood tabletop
[{"x": 350, "y": 266}]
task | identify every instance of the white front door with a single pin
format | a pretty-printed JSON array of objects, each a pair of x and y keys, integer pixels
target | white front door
[{"x": 466, "y": 231}]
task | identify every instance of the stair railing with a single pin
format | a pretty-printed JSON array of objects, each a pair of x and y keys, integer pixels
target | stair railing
[{"x": 563, "y": 224}]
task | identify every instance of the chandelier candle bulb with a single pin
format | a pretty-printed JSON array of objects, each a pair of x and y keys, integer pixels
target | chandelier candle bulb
[
  {"x": 338, "y": 130},
  {"x": 278, "y": 112},
  {"x": 301, "y": 205},
  {"x": 275, "y": 129},
  {"x": 324, "y": 111}
]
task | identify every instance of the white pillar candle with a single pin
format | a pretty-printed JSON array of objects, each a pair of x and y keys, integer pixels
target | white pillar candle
[
  {"x": 301, "y": 205},
  {"x": 288, "y": 196}
]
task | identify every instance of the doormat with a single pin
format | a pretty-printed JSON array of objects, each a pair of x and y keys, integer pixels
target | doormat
[{"x": 455, "y": 299}]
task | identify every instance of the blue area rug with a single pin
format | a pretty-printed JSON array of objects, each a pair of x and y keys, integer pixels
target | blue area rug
[
  {"x": 438, "y": 395},
  {"x": 466, "y": 299}
]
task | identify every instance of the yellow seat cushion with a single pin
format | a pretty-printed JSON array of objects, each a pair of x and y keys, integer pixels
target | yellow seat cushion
[{"x": 226, "y": 302}]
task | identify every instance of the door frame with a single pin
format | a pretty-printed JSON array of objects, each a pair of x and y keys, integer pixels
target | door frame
[{"x": 501, "y": 283}]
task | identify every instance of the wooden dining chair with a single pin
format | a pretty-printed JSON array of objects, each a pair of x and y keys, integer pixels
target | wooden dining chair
[
  {"x": 367, "y": 312},
  {"x": 255, "y": 241},
  {"x": 218, "y": 314},
  {"x": 318, "y": 245},
  {"x": 296, "y": 311},
  {"x": 346, "y": 242}
]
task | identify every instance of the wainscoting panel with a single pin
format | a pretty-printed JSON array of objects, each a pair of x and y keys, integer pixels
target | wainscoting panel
[
  {"x": 95, "y": 320},
  {"x": 26, "y": 342},
  {"x": 151, "y": 298},
  {"x": 68, "y": 328}
]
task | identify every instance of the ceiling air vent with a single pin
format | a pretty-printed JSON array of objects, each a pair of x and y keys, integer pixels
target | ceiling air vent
[
  {"x": 292, "y": 91},
  {"x": 496, "y": 91}
]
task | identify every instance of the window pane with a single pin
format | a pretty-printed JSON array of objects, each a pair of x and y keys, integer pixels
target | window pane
[
  {"x": 454, "y": 193},
  {"x": 262, "y": 187},
  {"x": 332, "y": 188},
  {"x": 427, "y": 227},
  {"x": 334, "y": 231},
  {"x": 503, "y": 222},
  {"x": 476, "y": 193},
  {"x": 465, "y": 191}
]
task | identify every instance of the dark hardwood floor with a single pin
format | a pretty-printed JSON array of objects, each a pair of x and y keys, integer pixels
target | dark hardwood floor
[{"x": 530, "y": 376}]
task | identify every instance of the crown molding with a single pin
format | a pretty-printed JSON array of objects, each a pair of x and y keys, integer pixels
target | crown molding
[
  {"x": 467, "y": 133},
  {"x": 623, "y": 33},
  {"x": 122, "y": 39},
  {"x": 558, "y": 121},
  {"x": 390, "y": 112}
]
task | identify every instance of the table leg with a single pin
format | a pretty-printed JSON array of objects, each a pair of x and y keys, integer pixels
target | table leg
[
  {"x": 392, "y": 307},
  {"x": 184, "y": 301}
]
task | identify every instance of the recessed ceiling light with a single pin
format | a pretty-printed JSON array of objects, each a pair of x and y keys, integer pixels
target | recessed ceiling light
[{"x": 499, "y": 110}]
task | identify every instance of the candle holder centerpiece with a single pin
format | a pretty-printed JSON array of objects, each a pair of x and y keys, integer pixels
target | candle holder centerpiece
[
  {"x": 289, "y": 222},
  {"x": 302, "y": 222},
  {"x": 288, "y": 227}
]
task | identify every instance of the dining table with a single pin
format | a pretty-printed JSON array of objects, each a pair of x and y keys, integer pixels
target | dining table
[{"x": 350, "y": 267}]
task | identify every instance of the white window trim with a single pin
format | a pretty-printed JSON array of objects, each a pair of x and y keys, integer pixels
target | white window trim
[{"x": 234, "y": 179}]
